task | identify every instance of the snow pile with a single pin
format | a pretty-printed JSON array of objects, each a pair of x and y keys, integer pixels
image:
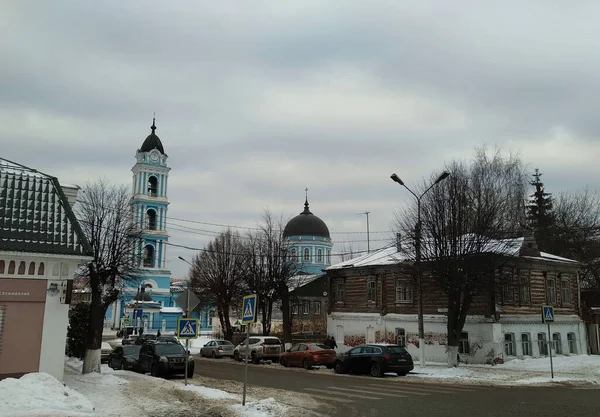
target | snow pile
[
  {"x": 196, "y": 344},
  {"x": 576, "y": 364},
  {"x": 74, "y": 363},
  {"x": 268, "y": 407},
  {"x": 38, "y": 394},
  {"x": 444, "y": 373},
  {"x": 210, "y": 393}
]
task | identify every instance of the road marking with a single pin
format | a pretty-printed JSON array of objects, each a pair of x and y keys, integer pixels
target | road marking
[
  {"x": 361, "y": 390},
  {"x": 432, "y": 389},
  {"x": 402, "y": 390},
  {"x": 363, "y": 397},
  {"x": 326, "y": 398}
]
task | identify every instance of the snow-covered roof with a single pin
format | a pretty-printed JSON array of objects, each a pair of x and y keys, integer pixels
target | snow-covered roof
[
  {"x": 301, "y": 280},
  {"x": 390, "y": 255},
  {"x": 176, "y": 310}
]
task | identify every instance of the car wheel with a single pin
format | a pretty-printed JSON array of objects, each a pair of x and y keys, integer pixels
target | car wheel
[
  {"x": 339, "y": 368},
  {"x": 306, "y": 364},
  {"x": 214, "y": 355},
  {"x": 283, "y": 362},
  {"x": 375, "y": 370},
  {"x": 154, "y": 370},
  {"x": 120, "y": 368},
  {"x": 255, "y": 359},
  {"x": 236, "y": 356}
]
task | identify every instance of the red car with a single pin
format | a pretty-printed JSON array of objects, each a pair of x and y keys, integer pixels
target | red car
[{"x": 308, "y": 355}]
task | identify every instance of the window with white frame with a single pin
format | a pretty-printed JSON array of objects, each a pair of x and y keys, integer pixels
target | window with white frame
[
  {"x": 317, "y": 308},
  {"x": 524, "y": 286},
  {"x": 340, "y": 290},
  {"x": 557, "y": 343},
  {"x": 463, "y": 344},
  {"x": 542, "y": 344},
  {"x": 305, "y": 307},
  {"x": 306, "y": 255},
  {"x": 319, "y": 255},
  {"x": 526, "y": 344},
  {"x": 572, "y": 343},
  {"x": 550, "y": 290},
  {"x": 371, "y": 290},
  {"x": 400, "y": 336},
  {"x": 509, "y": 344},
  {"x": 565, "y": 289},
  {"x": 404, "y": 292},
  {"x": 506, "y": 275}
]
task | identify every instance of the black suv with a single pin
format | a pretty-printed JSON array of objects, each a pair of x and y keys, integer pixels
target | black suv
[
  {"x": 165, "y": 358},
  {"x": 376, "y": 359}
]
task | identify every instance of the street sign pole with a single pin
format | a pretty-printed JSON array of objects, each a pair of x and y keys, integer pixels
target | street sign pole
[
  {"x": 548, "y": 317},
  {"x": 550, "y": 351},
  {"x": 248, "y": 317},
  {"x": 187, "y": 358},
  {"x": 246, "y": 364},
  {"x": 187, "y": 329}
]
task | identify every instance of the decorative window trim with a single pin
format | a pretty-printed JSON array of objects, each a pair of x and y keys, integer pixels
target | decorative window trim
[
  {"x": 464, "y": 348},
  {"x": 320, "y": 255},
  {"x": 408, "y": 290},
  {"x": 562, "y": 279},
  {"x": 372, "y": 290},
  {"x": 306, "y": 255}
]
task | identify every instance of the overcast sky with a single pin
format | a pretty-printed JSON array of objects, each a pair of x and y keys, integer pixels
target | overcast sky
[{"x": 257, "y": 100}]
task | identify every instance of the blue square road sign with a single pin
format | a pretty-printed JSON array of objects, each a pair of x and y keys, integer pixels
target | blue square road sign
[
  {"x": 187, "y": 328},
  {"x": 547, "y": 314},
  {"x": 249, "y": 309}
]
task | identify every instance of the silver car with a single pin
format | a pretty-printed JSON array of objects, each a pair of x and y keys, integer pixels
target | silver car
[
  {"x": 260, "y": 348},
  {"x": 217, "y": 349}
]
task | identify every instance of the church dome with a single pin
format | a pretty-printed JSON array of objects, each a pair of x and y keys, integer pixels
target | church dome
[
  {"x": 306, "y": 224},
  {"x": 152, "y": 141}
]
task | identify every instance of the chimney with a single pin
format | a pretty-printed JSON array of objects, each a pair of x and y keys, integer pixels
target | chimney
[
  {"x": 71, "y": 192},
  {"x": 399, "y": 242},
  {"x": 529, "y": 246}
]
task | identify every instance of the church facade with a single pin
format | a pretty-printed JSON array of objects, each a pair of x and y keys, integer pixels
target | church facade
[
  {"x": 308, "y": 243},
  {"x": 150, "y": 301}
]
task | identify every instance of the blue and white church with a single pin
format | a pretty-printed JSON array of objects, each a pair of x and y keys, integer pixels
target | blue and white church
[
  {"x": 307, "y": 241},
  {"x": 152, "y": 303}
]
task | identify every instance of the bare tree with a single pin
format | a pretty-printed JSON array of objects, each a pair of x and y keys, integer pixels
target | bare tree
[
  {"x": 464, "y": 224},
  {"x": 270, "y": 269},
  {"x": 105, "y": 215},
  {"x": 219, "y": 271},
  {"x": 576, "y": 232},
  {"x": 348, "y": 251}
]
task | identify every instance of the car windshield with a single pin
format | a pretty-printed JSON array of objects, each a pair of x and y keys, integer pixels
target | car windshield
[
  {"x": 224, "y": 343},
  {"x": 317, "y": 346},
  {"x": 272, "y": 341},
  {"x": 169, "y": 349},
  {"x": 396, "y": 350},
  {"x": 131, "y": 350}
]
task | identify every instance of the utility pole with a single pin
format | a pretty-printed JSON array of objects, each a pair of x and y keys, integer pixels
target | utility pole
[{"x": 368, "y": 238}]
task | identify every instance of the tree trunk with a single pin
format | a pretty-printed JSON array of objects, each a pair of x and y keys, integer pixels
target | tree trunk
[
  {"x": 267, "y": 311},
  {"x": 287, "y": 322},
  {"x": 451, "y": 329},
  {"x": 227, "y": 330},
  {"x": 91, "y": 361}
]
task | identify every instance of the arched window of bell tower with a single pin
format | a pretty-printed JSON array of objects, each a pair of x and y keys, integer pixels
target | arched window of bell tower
[
  {"x": 306, "y": 255},
  {"x": 319, "y": 255},
  {"x": 148, "y": 260},
  {"x": 151, "y": 219},
  {"x": 152, "y": 186}
]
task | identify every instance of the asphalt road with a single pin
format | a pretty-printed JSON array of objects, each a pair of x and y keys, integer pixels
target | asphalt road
[{"x": 354, "y": 396}]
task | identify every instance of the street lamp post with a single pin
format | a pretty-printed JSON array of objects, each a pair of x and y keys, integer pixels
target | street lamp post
[{"x": 397, "y": 179}]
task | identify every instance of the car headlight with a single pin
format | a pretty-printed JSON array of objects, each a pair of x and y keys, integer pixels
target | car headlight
[
  {"x": 163, "y": 359},
  {"x": 190, "y": 359}
]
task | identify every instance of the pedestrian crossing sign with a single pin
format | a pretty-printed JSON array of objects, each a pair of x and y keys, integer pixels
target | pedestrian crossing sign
[
  {"x": 125, "y": 322},
  {"x": 547, "y": 314},
  {"x": 187, "y": 328},
  {"x": 249, "y": 309}
]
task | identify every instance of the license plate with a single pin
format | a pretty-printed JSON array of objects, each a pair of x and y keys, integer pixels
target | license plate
[{"x": 401, "y": 360}]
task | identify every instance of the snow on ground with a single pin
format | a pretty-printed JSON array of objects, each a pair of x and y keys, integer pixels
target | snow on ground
[
  {"x": 40, "y": 394},
  {"x": 122, "y": 393},
  {"x": 576, "y": 369}
]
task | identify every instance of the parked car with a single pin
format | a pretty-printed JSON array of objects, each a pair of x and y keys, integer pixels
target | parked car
[
  {"x": 129, "y": 340},
  {"x": 261, "y": 348},
  {"x": 217, "y": 349},
  {"x": 125, "y": 357},
  {"x": 165, "y": 358},
  {"x": 144, "y": 338},
  {"x": 105, "y": 351},
  {"x": 167, "y": 339},
  {"x": 375, "y": 359},
  {"x": 308, "y": 355}
]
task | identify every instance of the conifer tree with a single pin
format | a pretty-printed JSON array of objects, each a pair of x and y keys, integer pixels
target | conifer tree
[{"x": 540, "y": 212}]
